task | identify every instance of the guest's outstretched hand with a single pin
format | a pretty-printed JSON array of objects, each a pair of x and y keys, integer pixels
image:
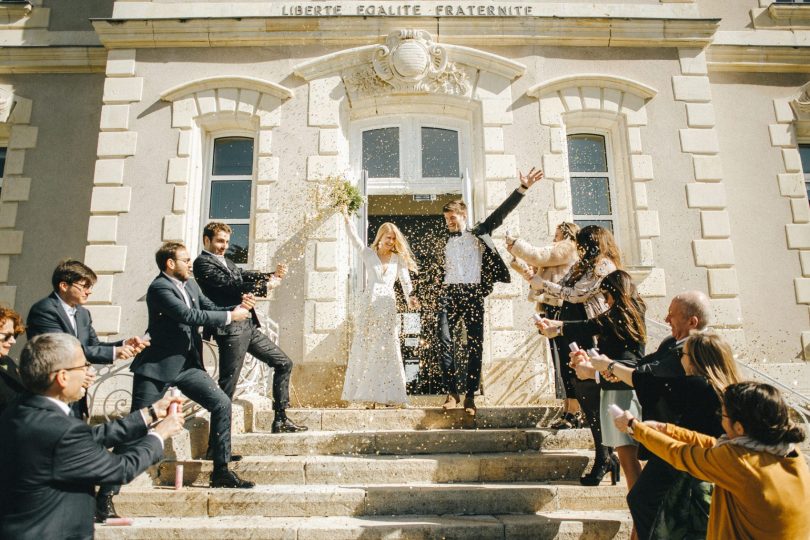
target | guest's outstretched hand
[{"x": 534, "y": 176}]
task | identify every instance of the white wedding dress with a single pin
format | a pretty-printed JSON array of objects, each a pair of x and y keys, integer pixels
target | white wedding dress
[{"x": 375, "y": 372}]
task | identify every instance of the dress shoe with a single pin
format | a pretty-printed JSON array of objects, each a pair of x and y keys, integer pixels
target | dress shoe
[
  {"x": 225, "y": 478},
  {"x": 209, "y": 455},
  {"x": 469, "y": 406},
  {"x": 600, "y": 469},
  {"x": 287, "y": 426},
  {"x": 105, "y": 508},
  {"x": 451, "y": 402}
]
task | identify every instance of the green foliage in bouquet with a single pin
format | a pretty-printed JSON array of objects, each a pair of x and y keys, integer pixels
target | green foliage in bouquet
[{"x": 345, "y": 195}]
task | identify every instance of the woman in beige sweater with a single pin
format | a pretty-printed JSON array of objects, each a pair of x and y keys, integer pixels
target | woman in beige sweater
[
  {"x": 551, "y": 263},
  {"x": 762, "y": 482}
]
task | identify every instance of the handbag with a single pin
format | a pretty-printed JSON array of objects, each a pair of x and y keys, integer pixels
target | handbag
[{"x": 684, "y": 511}]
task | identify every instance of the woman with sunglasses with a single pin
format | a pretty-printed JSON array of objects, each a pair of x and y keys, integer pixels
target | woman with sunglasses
[{"x": 11, "y": 326}]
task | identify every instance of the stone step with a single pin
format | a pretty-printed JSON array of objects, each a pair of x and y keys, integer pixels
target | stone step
[
  {"x": 410, "y": 442},
  {"x": 559, "y": 525},
  {"x": 373, "y": 469},
  {"x": 369, "y": 500},
  {"x": 409, "y": 419}
]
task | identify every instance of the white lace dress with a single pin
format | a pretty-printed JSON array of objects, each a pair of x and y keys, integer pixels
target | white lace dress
[{"x": 375, "y": 372}]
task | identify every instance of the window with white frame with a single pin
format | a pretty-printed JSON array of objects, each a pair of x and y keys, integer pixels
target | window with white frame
[
  {"x": 411, "y": 154},
  {"x": 593, "y": 196},
  {"x": 229, "y": 191},
  {"x": 804, "y": 152}
]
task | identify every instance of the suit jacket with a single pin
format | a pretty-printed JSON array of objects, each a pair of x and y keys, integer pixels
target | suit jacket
[
  {"x": 174, "y": 329},
  {"x": 493, "y": 267},
  {"x": 225, "y": 285},
  {"x": 50, "y": 463},
  {"x": 47, "y": 316},
  {"x": 11, "y": 385},
  {"x": 665, "y": 362}
]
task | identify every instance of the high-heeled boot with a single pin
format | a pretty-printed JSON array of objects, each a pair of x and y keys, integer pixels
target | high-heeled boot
[{"x": 600, "y": 469}]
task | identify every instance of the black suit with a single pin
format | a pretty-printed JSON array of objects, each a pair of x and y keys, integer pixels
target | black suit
[
  {"x": 11, "y": 385},
  {"x": 466, "y": 302},
  {"x": 225, "y": 283},
  {"x": 50, "y": 463},
  {"x": 174, "y": 358},
  {"x": 49, "y": 317}
]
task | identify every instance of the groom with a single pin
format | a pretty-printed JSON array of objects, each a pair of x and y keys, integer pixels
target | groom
[{"x": 469, "y": 265}]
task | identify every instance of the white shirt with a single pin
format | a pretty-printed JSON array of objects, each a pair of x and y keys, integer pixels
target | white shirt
[
  {"x": 182, "y": 286},
  {"x": 462, "y": 259},
  {"x": 70, "y": 311}
]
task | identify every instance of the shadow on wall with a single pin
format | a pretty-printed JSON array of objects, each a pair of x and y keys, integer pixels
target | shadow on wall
[{"x": 527, "y": 379}]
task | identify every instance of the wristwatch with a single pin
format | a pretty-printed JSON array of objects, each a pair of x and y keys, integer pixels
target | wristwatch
[
  {"x": 611, "y": 366},
  {"x": 153, "y": 413}
]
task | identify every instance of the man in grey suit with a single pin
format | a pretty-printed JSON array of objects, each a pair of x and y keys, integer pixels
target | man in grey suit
[
  {"x": 51, "y": 461},
  {"x": 177, "y": 309},
  {"x": 63, "y": 311}
]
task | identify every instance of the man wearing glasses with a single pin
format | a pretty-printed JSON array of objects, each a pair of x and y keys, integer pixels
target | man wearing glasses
[
  {"x": 50, "y": 462},
  {"x": 63, "y": 312}
]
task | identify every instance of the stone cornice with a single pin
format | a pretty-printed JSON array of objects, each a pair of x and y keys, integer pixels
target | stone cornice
[
  {"x": 211, "y": 83},
  {"x": 760, "y": 58},
  {"x": 593, "y": 79},
  {"x": 357, "y": 31},
  {"x": 336, "y": 62},
  {"x": 790, "y": 13},
  {"x": 52, "y": 59}
]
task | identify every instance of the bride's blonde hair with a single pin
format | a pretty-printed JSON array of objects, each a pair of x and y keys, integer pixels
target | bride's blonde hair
[{"x": 400, "y": 244}]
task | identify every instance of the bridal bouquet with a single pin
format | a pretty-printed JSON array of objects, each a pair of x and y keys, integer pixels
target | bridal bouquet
[{"x": 345, "y": 195}]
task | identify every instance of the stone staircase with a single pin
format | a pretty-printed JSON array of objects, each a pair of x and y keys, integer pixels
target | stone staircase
[{"x": 382, "y": 474}]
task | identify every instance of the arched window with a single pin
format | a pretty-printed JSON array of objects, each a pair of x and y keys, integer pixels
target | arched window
[
  {"x": 592, "y": 185},
  {"x": 230, "y": 190}
]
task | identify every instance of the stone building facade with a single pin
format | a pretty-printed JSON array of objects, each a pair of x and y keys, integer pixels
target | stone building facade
[{"x": 681, "y": 124}]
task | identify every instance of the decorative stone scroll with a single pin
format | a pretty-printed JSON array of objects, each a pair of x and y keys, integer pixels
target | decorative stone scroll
[{"x": 409, "y": 62}]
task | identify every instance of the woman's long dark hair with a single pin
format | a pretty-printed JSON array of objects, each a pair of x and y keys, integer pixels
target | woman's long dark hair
[
  {"x": 625, "y": 318},
  {"x": 763, "y": 413},
  {"x": 594, "y": 243}
]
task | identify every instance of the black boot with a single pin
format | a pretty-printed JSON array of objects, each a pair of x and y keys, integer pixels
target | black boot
[
  {"x": 600, "y": 469},
  {"x": 104, "y": 507},
  {"x": 282, "y": 424},
  {"x": 222, "y": 477}
]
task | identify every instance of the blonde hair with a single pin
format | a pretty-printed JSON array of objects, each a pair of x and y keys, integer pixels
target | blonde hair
[
  {"x": 712, "y": 358},
  {"x": 401, "y": 247}
]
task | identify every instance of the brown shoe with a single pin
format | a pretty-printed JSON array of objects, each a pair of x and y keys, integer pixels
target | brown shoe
[
  {"x": 469, "y": 406},
  {"x": 451, "y": 402}
]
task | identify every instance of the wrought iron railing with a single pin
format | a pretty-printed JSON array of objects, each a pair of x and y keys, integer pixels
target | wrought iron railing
[{"x": 111, "y": 395}]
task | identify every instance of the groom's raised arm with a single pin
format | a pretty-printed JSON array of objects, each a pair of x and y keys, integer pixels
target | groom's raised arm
[{"x": 495, "y": 219}]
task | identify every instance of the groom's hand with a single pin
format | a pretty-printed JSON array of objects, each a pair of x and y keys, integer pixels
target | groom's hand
[{"x": 528, "y": 180}]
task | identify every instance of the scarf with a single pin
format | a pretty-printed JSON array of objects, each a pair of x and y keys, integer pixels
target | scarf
[{"x": 780, "y": 449}]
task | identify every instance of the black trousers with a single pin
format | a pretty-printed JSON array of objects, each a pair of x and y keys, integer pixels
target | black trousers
[
  {"x": 198, "y": 386},
  {"x": 466, "y": 303},
  {"x": 648, "y": 492},
  {"x": 232, "y": 349}
]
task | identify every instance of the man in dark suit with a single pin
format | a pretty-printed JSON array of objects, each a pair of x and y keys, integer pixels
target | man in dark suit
[
  {"x": 469, "y": 266},
  {"x": 63, "y": 311},
  {"x": 177, "y": 309},
  {"x": 51, "y": 461},
  {"x": 226, "y": 284}
]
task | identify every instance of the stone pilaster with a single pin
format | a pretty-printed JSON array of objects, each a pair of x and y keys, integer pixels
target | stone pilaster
[{"x": 714, "y": 250}]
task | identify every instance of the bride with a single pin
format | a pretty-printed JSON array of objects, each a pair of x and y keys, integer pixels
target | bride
[{"x": 375, "y": 373}]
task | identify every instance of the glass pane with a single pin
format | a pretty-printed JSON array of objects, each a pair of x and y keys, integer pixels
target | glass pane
[
  {"x": 2, "y": 161},
  {"x": 439, "y": 153},
  {"x": 804, "y": 152},
  {"x": 586, "y": 153},
  {"x": 238, "y": 248},
  {"x": 233, "y": 156},
  {"x": 381, "y": 152},
  {"x": 230, "y": 199},
  {"x": 604, "y": 223},
  {"x": 591, "y": 196}
]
